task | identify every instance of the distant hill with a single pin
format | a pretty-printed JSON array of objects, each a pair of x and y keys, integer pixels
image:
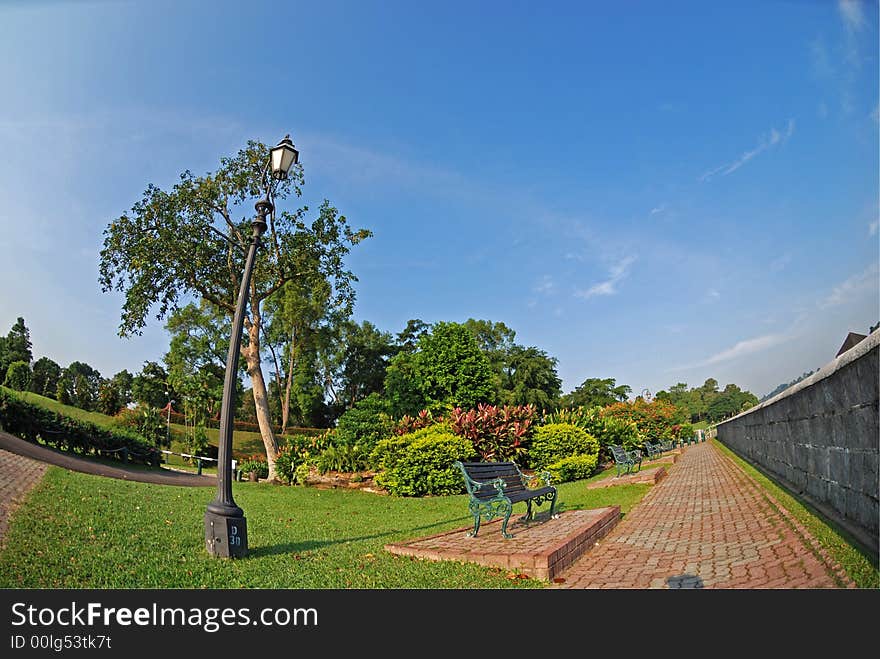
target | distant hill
[{"x": 786, "y": 385}]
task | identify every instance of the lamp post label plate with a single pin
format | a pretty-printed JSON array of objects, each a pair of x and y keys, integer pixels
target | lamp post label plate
[{"x": 225, "y": 537}]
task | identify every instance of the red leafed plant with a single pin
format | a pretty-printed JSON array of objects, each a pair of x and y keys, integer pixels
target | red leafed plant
[
  {"x": 407, "y": 424},
  {"x": 497, "y": 433}
]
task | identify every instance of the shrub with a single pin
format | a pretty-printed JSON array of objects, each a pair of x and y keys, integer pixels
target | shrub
[
  {"x": 654, "y": 420},
  {"x": 197, "y": 442},
  {"x": 18, "y": 376},
  {"x": 301, "y": 474},
  {"x": 683, "y": 431},
  {"x": 421, "y": 463},
  {"x": 364, "y": 424},
  {"x": 146, "y": 421},
  {"x": 497, "y": 433},
  {"x": 572, "y": 468},
  {"x": 407, "y": 424},
  {"x": 608, "y": 430},
  {"x": 298, "y": 450},
  {"x": 342, "y": 458},
  {"x": 556, "y": 441},
  {"x": 255, "y": 463}
]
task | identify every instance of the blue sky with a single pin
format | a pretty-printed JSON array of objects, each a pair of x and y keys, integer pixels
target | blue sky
[{"x": 657, "y": 192}]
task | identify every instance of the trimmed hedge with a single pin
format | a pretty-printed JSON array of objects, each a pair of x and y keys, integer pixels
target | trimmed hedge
[{"x": 34, "y": 423}]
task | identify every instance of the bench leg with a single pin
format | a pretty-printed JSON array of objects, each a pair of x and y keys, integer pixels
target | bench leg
[
  {"x": 553, "y": 514},
  {"x": 506, "y": 519},
  {"x": 473, "y": 534},
  {"x": 529, "y": 514}
]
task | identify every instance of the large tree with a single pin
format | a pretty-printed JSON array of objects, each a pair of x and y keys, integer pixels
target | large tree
[
  {"x": 46, "y": 376},
  {"x": 530, "y": 378},
  {"x": 16, "y": 347},
  {"x": 447, "y": 370},
  {"x": 596, "y": 392},
  {"x": 191, "y": 241}
]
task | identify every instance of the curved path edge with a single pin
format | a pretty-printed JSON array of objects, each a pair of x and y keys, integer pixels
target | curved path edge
[{"x": 45, "y": 454}]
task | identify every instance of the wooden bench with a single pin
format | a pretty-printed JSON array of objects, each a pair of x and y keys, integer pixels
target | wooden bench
[
  {"x": 493, "y": 488},
  {"x": 626, "y": 461}
]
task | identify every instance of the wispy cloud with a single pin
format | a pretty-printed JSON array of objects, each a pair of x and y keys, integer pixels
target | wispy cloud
[
  {"x": 609, "y": 286},
  {"x": 546, "y": 286},
  {"x": 659, "y": 209},
  {"x": 738, "y": 350},
  {"x": 773, "y": 138},
  {"x": 851, "y": 287},
  {"x": 852, "y": 15},
  {"x": 873, "y": 226},
  {"x": 712, "y": 295}
]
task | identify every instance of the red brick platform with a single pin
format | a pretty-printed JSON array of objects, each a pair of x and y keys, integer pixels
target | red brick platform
[
  {"x": 651, "y": 476},
  {"x": 541, "y": 549}
]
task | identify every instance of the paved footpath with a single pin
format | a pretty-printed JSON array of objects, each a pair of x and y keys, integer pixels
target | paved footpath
[
  {"x": 708, "y": 524},
  {"x": 18, "y": 475}
]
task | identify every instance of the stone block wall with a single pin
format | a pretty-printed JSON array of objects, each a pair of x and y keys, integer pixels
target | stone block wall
[{"x": 821, "y": 438}]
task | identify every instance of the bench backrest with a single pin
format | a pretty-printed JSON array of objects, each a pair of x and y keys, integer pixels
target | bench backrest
[
  {"x": 486, "y": 472},
  {"x": 619, "y": 454}
]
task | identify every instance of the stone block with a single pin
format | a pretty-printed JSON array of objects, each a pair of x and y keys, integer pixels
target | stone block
[
  {"x": 839, "y": 466},
  {"x": 817, "y": 487},
  {"x": 860, "y": 428},
  {"x": 837, "y": 498},
  {"x": 864, "y": 469},
  {"x": 863, "y": 510},
  {"x": 868, "y": 375}
]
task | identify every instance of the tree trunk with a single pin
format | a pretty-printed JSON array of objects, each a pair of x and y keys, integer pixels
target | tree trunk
[
  {"x": 285, "y": 407},
  {"x": 261, "y": 401}
]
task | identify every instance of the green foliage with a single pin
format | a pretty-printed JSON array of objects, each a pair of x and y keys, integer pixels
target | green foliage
[
  {"x": 150, "y": 387},
  {"x": 344, "y": 458},
  {"x": 421, "y": 463},
  {"x": 656, "y": 421},
  {"x": 447, "y": 370},
  {"x": 16, "y": 346},
  {"x": 556, "y": 441},
  {"x": 596, "y": 392},
  {"x": 197, "y": 441},
  {"x": 109, "y": 402},
  {"x": 301, "y": 474},
  {"x": 255, "y": 463},
  {"x": 366, "y": 423},
  {"x": 573, "y": 467},
  {"x": 18, "y": 376},
  {"x": 298, "y": 451},
  {"x": 146, "y": 421},
  {"x": 497, "y": 433},
  {"x": 607, "y": 430},
  {"x": 45, "y": 379},
  {"x": 33, "y": 423},
  {"x": 530, "y": 378}
]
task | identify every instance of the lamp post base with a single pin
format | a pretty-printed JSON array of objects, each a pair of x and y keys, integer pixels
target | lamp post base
[{"x": 226, "y": 536}]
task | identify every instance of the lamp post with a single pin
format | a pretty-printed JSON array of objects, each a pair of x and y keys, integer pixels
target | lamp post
[{"x": 225, "y": 524}]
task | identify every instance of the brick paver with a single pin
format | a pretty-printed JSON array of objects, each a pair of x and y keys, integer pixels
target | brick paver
[
  {"x": 18, "y": 475},
  {"x": 708, "y": 524}
]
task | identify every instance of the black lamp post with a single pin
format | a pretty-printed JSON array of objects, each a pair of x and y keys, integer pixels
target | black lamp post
[{"x": 225, "y": 525}]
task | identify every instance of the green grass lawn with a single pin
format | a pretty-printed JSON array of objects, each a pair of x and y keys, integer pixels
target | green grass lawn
[
  {"x": 856, "y": 563},
  {"x": 80, "y": 531}
]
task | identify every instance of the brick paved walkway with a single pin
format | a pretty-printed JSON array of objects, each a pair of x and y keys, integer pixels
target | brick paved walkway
[
  {"x": 707, "y": 524},
  {"x": 18, "y": 475}
]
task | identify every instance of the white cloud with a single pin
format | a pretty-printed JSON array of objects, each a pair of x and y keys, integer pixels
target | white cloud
[
  {"x": 774, "y": 138},
  {"x": 851, "y": 13},
  {"x": 780, "y": 262},
  {"x": 609, "y": 287},
  {"x": 851, "y": 287},
  {"x": 659, "y": 209},
  {"x": 738, "y": 350},
  {"x": 712, "y": 295},
  {"x": 873, "y": 226}
]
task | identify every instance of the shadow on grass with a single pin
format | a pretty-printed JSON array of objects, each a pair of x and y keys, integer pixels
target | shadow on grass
[{"x": 309, "y": 545}]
